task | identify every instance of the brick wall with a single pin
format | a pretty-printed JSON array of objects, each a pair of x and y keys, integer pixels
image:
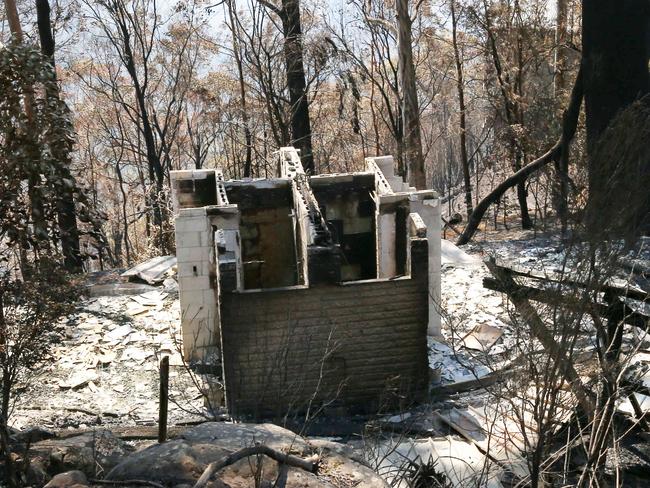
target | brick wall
[{"x": 363, "y": 345}]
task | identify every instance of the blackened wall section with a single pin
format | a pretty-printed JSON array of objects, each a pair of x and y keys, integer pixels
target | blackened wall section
[{"x": 361, "y": 345}]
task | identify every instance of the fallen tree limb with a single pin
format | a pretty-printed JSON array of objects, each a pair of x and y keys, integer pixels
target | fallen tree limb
[
  {"x": 310, "y": 464},
  {"x": 477, "y": 383},
  {"x": 153, "y": 484},
  {"x": 91, "y": 412},
  {"x": 613, "y": 287},
  {"x": 542, "y": 334},
  {"x": 569, "y": 126},
  {"x": 551, "y": 297},
  {"x": 449, "y": 225},
  {"x": 636, "y": 266}
]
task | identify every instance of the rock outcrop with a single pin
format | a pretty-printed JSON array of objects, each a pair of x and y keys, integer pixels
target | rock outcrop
[{"x": 182, "y": 461}]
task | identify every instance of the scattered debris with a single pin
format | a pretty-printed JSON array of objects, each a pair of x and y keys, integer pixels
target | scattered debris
[
  {"x": 153, "y": 271},
  {"x": 455, "y": 366},
  {"x": 482, "y": 337},
  {"x": 106, "y": 367},
  {"x": 79, "y": 379},
  {"x": 118, "y": 289},
  {"x": 457, "y": 462},
  {"x": 170, "y": 285}
]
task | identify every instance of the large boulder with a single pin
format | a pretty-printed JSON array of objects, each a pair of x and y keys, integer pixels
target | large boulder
[
  {"x": 343, "y": 471},
  {"x": 172, "y": 463},
  {"x": 94, "y": 453},
  {"x": 31, "y": 435},
  {"x": 236, "y": 436},
  {"x": 68, "y": 480},
  {"x": 183, "y": 460}
]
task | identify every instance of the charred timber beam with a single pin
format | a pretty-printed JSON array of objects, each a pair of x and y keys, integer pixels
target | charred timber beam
[{"x": 553, "y": 297}]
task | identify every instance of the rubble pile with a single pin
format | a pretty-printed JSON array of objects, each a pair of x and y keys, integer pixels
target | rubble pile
[{"x": 104, "y": 369}]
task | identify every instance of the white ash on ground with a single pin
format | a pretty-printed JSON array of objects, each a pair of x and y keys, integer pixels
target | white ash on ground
[
  {"x": 104, "y": 367},
  {"x": 469, "y": 309},
  {"x": 467, "y": 306}
]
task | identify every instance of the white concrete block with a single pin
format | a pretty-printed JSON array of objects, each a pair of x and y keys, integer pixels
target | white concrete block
[
  {"x": 189, "y": 224},
  {"x": 386, "y": 241},
  {"x": 191, "y": 212},
  {"x": 198, "y": 334},
  {"x": 191, "y": 297},
  {"x": 188, "y": 239},
  {"x": 197, "y": 339},
  {"x": 189, "y": 268},
  {"x": 193, "y": 311},
  {"x": 194, "y": 283},
  {"x": 429, "y": 210},
  {"x": 206, "y": 238},
  {"x": 194, "y": 268},
  {"x": 210, "y": 298},
  {"x": 199, "y": 253}
]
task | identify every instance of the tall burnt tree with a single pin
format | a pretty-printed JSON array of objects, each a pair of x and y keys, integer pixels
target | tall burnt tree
[
  {"x": 460, "y": 88},
  {"x": 66, "y": 212},
  {"x": 410, "y": 106},
  {"x": 511, "y": 88},
  {"x": 615, "y": 64},
  {"x": 33, "y": 181},
  {"x": 236, "y": 52},
  {"x": 561, "y": 190},
  {"x": 125, "y": 26},
  {"x": 145, "y": 65},
  {"x": 289, "y": 14}
]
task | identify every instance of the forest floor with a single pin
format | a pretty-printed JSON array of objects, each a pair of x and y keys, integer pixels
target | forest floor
[
  {"x": 104, "y": 368},
  {"x": 104, "y": 364},
  {"x": 479, "y": 325}
]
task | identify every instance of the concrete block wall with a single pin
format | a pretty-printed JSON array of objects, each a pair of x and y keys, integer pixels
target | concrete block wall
[
  {"x": 361, "y": 345},
  {"x": 197, "y": 283},
  {"x": 427, "y": 206},
  {"x": 390, "y": 189}
]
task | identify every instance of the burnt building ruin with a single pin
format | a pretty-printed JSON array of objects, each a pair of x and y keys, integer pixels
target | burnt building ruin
[{"x": 309, "y": 290}]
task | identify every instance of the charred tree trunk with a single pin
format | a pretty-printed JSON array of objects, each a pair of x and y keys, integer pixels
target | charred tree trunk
[
  {"x": 518, "y": 116},
  {"x": 125, "y": 224},
  {"x": 561, "y": 189},
  {"x": 615, "y": 64},
  {"x": 461, "y": 105},
  {"x": 123, "y": 43},
  {"x": 66, "y": 211},
  {"x": 410, "y": 107},
  {"x": 559, "y": 81},
  {"x": 5, "y": 451},
  {"x": 569, "y": 125},
  {"x": 615, "y": 59},
  {"x": 511, "y": 116},
  {"x": 295, "y": 70},
  {"x": 248, "y": 165}
]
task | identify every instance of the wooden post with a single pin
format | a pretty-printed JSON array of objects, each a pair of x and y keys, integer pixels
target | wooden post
[{"x": 164, "y": 399}]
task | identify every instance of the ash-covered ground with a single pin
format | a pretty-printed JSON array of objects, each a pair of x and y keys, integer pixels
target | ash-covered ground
[
  {"x": 104, "y": 364},
  {"x": 104, "y": 368}
]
